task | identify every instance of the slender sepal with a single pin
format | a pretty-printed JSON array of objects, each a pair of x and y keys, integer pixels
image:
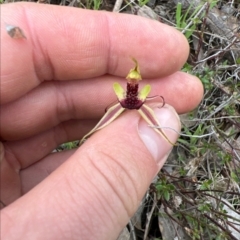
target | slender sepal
[
  {"x": 112, "y": 113},
  {"x": 149, "y": 116}
]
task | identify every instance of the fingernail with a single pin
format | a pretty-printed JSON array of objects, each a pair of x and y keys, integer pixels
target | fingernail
[{"x": 158, "y": 147}]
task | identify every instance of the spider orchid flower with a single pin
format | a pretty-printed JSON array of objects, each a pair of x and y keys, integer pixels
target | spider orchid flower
[{"x": 130, "y": 99}]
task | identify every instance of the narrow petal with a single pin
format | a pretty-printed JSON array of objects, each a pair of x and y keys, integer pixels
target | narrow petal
[
  {"x": 119, "y": 91},
  {"x": 112, "y": 113},
  {"x": 142, "y": 95},
  {"x": 149, "y": 116}
]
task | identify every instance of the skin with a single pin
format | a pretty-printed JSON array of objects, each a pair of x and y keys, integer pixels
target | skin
[{"x": 55, "y": 86}]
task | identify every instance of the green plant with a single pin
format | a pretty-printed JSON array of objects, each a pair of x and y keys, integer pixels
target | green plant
[
  {"x": 183, "y": 20},
  {"x": 142, "y": 2},
  {"x": 93, "y": 4},
  {"x": 164, "y": 189}
]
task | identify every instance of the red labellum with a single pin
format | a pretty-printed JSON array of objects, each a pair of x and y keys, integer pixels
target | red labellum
[{"x": 131, "y": 101}]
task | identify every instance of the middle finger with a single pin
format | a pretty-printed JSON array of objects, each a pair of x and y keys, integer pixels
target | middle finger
[{"x": 55, "y": 102}]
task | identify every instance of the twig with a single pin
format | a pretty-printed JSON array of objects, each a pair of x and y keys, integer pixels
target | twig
[
  {"x": 117, "y": 5},
  {"x": 185, "y": 135},
  {"x": 149, "y": 216}
]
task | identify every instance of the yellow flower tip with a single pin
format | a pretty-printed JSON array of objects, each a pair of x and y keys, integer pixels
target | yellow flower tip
[
  {"x": 119, "y": 91},
  {"x": 134, "y": 74},
  {"x": 142, "y": 95}
]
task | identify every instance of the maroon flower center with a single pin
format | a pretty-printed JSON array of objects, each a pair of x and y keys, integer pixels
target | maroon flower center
[{"x": 132, "y": 101}]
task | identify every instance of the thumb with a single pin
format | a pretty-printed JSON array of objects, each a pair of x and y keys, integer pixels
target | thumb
[{"x": 94, "y": 193}]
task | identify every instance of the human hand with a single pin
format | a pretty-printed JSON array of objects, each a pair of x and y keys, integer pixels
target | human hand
[{"x": 55, "y": 86}]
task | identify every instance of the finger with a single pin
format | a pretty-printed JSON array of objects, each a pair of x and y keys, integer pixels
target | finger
[
  {"x": 37, "y": 172},
  {"x": 32, "y": 157},
  {"x": 12, "y": 191},
  {"x": 100, "y": 186},
  {"x": 80, "y": 100},
  {"x": 61, "y": 46},
  {"x": 23, "y": 153},
  {"x": 16, "y": 182}
]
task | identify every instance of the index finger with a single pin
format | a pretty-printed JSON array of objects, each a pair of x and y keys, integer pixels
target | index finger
[{"x": 66, "y": 43}]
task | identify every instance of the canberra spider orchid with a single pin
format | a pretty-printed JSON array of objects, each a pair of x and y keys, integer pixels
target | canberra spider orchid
[{"x": 130, "y": 99}]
